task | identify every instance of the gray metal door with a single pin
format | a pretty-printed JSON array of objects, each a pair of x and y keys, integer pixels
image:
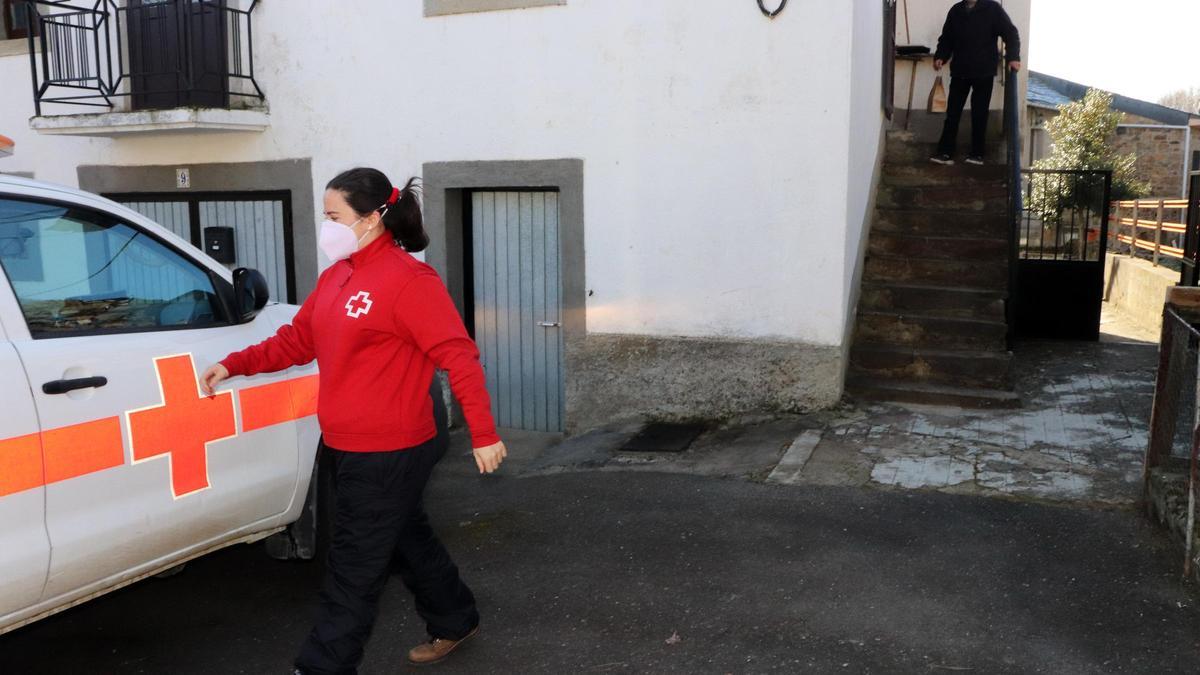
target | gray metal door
[{"x": 517, "y": 313}]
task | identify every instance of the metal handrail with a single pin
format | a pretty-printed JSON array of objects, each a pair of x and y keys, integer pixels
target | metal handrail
[
  {"x": 1012, "y": 132},
  {"x": 86, "y": 51}
]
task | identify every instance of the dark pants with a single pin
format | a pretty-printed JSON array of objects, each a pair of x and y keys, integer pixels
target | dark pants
[
  {"x": 980, "y": 89},
  {"x": 381, "y": 528}
]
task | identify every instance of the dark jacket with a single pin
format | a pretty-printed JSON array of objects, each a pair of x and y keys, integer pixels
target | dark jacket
[{"x": 968, "y": 39}]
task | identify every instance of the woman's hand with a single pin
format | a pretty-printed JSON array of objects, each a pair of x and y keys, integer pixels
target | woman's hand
[
  {"x": 488, "y": 458},
  {"x": 212, "y": 377}
]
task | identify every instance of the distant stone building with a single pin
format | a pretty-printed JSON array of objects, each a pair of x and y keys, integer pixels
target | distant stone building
[{"x": 1165, "y": 140}]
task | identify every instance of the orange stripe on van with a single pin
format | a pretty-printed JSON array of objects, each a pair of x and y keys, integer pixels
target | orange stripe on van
[
  {"x": 278, "y": 402},
  {"x": 304, "y": 395},
  {"x": 80, "y": 449},
  {"x": 265, "y": 405},
  {"x": 34, "y": 460},
  {"x": 20, "y": 464}
]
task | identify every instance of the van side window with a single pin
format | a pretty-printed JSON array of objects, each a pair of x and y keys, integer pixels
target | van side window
[{"x": 77, "y": 272}]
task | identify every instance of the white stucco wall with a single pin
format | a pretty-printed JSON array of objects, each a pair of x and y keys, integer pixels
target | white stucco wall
[
  {"x": 925, "y": 21},
  {"x": 723, "y": 159},
  {"x": 866, "y": 138}
]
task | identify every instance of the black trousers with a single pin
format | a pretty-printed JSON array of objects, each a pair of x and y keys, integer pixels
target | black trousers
[
  {"x": 980, "y": 90},
  {"x": 380, "y": 528}
]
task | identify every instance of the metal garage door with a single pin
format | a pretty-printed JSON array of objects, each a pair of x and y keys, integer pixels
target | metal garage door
[
  {"x": 517, "y": 313},
  {"x": 261, "y": 225}
]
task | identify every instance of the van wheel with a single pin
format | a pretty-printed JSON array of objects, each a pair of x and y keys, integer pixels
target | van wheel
[{"x": 308, "y": 537}]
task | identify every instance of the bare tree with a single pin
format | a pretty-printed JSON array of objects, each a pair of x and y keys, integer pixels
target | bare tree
[{"x": 1183, "y": 99}]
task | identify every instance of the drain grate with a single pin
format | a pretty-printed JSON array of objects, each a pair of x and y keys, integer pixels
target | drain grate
[{"x": 663, "y": 437}]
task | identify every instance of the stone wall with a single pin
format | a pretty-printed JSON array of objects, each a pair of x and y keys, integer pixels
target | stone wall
[
  {"x": 1159, "y": 156},
  {"x": 1160, "y": 151}
]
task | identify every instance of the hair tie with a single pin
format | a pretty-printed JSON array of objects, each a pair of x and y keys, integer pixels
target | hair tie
[{"x": 395, "y": 196}]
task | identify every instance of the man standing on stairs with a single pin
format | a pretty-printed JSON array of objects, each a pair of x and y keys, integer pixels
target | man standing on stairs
[{"x": 968, "y": 42}]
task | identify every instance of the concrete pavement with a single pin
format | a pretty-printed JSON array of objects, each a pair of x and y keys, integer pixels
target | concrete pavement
[
  {"x": 645, "y": 572},
  {"x": 587, "y": 559}
]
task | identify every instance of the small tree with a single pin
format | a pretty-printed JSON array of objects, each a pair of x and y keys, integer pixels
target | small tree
[{"x": 1080, "y": 136}]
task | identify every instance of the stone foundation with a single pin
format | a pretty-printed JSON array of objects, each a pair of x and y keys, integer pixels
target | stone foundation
[{"x": 614, "y": 377}]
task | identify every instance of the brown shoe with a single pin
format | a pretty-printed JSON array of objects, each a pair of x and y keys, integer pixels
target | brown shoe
[{"x": 436, "y": 649}]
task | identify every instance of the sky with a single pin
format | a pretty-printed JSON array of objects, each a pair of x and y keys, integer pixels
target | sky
[{"x": 1139, "y": 48}]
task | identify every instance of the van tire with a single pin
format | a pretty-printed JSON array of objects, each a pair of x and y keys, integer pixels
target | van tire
[{"x": 308, "y": 537}]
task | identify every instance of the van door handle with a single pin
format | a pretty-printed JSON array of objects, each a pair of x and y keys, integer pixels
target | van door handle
[
  {"x": 548, "y": 324},
  {"x": 63, "y": 386}
]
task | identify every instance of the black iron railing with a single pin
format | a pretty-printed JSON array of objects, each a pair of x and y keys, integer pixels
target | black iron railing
[
  {"x": 155, "y": 54},
  {"x": 1063, "y": 215}
]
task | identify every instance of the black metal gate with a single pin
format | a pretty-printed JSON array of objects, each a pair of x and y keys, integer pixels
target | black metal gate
[
  {"x": 1190, "y": 274},
  {"x": 1061, "y": 241}
]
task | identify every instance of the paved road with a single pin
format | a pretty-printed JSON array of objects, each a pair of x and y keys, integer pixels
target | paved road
[{"x": 610, "y": 572}]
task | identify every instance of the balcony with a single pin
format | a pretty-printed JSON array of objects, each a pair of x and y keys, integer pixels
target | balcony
[{"x": 116, "y": 67}]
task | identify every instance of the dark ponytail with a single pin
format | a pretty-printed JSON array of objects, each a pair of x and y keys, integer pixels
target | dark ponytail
[{"x": 367, "y": 190}]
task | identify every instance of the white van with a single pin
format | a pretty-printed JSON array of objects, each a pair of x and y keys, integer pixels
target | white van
[{"x": 113, "y": 465}]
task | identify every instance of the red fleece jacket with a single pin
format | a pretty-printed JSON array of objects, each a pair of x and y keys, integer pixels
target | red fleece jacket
[{"x": 378, "y": 325}]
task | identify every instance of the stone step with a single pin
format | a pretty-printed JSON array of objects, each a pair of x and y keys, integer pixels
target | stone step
[
  {"x": 936, "y": 301},
  {"x": 966, "y": 368},
  {"x": 989, "y": 275},
  {"x": 929, "y": 174},
  {"x": 919, "y": 153},
  {"x": 971, "y": 224},
  {"x": 902, "y": 147},
  {"x": 875, "y": 389},
  {"x": 915, "y": 330},
  {"x": 922, "y": 246},
  {"x": 987, "y": 197}
]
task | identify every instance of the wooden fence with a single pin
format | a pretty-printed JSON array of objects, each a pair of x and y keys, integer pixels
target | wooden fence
[{"x": 1139, "y": 225}]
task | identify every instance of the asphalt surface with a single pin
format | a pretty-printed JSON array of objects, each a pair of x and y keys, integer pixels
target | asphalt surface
[{"x": 610, "y": 572}]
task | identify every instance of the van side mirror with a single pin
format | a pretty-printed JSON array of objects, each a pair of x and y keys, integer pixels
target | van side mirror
[{"x": 250, "y": 293}]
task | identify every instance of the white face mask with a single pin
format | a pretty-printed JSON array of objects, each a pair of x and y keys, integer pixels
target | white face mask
[{"x": 337, "y": 241}]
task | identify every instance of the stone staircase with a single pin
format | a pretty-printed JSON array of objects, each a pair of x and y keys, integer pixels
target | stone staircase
[{"x": 931, "y": 322}]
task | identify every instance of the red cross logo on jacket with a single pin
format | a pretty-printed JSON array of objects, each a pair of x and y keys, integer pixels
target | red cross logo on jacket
[{"x": 359, "y": 304}]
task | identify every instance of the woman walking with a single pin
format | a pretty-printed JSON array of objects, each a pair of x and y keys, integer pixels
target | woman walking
[{"x": 378, "y": 323}]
